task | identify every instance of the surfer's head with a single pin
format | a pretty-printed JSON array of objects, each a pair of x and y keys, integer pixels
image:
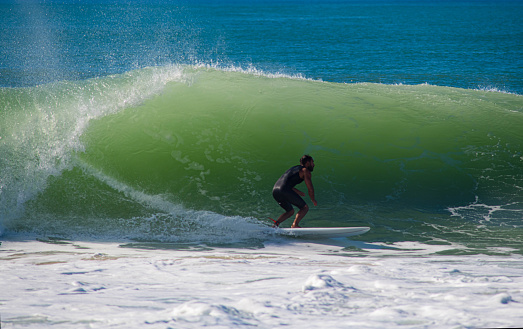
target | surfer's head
[{"x": 307, "y": 161}]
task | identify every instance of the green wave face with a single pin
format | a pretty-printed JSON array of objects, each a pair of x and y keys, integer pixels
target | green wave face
[
  {"x": 219, "y": 140},
  {"x": 129, "y": 149}
]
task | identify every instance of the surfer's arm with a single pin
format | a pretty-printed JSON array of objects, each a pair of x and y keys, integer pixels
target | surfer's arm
[
  {"x": 300, "y": 193},
  {"x": 308, "y": 181}
]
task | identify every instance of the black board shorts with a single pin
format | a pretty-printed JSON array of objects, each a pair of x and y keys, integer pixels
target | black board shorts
[{"x": 286, "y": 198}]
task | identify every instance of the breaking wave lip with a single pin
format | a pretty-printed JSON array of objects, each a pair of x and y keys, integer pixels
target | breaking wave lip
[
  {"x": 252, "y": 70},
  {"x": 48, "y": 128},
  {"x": 496, "y": 90}
]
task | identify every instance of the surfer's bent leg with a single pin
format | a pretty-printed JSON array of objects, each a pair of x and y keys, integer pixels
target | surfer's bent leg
[
  {"x": 299, "y": 216},
  {"x": 281, "y": 197},
  {"x": 286, "y": 199},
  {"x": 296, "y": 200}
]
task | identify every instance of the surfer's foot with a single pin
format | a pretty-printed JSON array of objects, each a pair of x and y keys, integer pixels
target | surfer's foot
[
  {"x": 276, "y": 224},
  {"x": 295, "y": 226}
]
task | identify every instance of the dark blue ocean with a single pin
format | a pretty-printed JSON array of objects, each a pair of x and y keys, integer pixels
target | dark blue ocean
[
  {"x": 151, "y": 119},
  {"x": 472, "y": 44}
]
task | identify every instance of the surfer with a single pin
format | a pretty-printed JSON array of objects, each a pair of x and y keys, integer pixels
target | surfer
[{"x": 287, "y": 195}]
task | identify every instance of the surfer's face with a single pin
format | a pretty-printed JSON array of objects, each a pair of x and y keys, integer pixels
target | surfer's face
[{"x": 310, "y": 165}]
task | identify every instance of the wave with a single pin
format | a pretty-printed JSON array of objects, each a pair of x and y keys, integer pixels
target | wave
[{"x": 163, "y": 151}]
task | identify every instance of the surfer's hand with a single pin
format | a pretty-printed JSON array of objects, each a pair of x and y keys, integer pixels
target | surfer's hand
[{"x": 300, "y": 193}]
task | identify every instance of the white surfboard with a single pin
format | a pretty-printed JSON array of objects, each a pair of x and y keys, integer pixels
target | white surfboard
[{"x": 323, "y": 232}]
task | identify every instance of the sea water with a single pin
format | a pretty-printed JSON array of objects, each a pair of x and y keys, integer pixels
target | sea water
[{"x": 139, "y": 142}]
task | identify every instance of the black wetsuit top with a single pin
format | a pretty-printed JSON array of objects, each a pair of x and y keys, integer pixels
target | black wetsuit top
[{"x": 283, "y": 191}]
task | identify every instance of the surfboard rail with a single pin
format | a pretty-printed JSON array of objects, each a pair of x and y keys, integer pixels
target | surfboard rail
[{"x": 325, "y": 232}]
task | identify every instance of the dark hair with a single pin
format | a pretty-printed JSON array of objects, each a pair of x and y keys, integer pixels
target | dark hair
[{"x": 304, "y": 159}]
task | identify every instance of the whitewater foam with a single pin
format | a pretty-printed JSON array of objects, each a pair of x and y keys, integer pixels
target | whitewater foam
[{"x": 297, "y": 284}]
